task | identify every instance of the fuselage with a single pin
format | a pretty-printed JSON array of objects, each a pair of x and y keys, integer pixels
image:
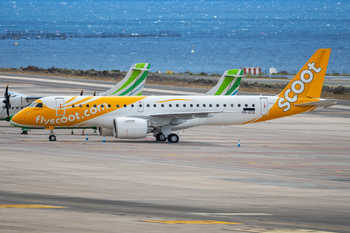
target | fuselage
[{"x": 80, "y": 111}]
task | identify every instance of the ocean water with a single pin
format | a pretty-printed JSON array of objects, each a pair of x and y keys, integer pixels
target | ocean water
[{"x": 223, "y": 34}]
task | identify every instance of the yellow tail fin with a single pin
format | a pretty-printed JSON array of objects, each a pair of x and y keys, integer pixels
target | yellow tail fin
[{"x": 308, "y": 82}]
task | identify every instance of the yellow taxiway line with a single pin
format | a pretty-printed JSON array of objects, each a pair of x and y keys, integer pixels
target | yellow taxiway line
[{"x": 32, "y": 206}]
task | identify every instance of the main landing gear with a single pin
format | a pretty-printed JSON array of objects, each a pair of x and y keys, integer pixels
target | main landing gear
[
  {"x": 52, "y": 137},
  {"x": 173, "y": 138},
  {"x": 160, "y": 137}
]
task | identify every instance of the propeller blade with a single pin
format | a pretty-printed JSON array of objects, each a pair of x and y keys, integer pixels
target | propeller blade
[
  {"x": 81, "y": 93},
  {"x": 7, "y": 101},
  {"x": 6, "y": 91},
  {"x": 95, "y": 93}
]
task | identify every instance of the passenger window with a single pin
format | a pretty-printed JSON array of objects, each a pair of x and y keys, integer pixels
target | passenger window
[
  {"x": 246, "y": 105},
  {"x": 191, "y": 105},
  {"x": 224, "y": 105},
  {"x": 80, "y": 106},
  {"x": 162, "y": 105},
  {"x": 147, "y": 105},
  {"x": 253, "y": 105},
  {"x": 17, "y": 107},
  {"x": 197, "y": 105},
  {"x": 94, "y": 105},
  {"x": 154, "y": 105},
  {"x": 117, "y": 105},
  {"x": 184, "y": 105},
  {"x": 239, "y": 105},
  {"x": 124, "y": 105},
  {"x": 140, "y": 105},
  {"x": 232, "y": 105},
  {"x": 204, "y": 105},
  {"x": 132, "y": 105},
  {"x": 210, "y": 105},
  {"x": 87, "y": 105},
  {"x": 109, "y": 105},
  {"x": 217, "y": 105},
  {"x": 170, "y": 105},
  {"x": 177, "y": 105},
  {"x": 73, "y": 105}
]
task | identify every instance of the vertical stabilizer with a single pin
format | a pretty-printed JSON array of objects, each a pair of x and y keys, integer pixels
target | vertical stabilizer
[
  {"x": 228, "y": 83},
  {"x": 132, "y": 84}
]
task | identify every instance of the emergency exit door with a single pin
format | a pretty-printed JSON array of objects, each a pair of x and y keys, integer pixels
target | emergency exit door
[
  {"x": 264, "y": 106},
  {"x": 60, "y": 106}
]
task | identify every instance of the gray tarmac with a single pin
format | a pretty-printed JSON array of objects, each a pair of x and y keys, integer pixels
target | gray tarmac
[{"x": 289, "y": 175}]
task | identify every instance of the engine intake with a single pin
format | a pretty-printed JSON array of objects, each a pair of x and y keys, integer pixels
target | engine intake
[{"x": 104, "y": 131}]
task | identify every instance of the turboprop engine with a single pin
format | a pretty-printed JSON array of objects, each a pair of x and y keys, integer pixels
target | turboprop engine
[{"x": 128, "y": 127}]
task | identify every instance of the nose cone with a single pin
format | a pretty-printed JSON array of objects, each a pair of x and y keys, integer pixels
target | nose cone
[
  {"x": 15, "y": 120},
  {"x": 18, "y": 118}
]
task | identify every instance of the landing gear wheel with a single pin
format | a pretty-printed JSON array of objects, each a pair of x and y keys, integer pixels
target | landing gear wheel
[
  {"x": 52, "y": 138},
  {"x": 24, "y": 132},
  {"x": 160, "y": 137},
  {"x": 173, "y": 138}
]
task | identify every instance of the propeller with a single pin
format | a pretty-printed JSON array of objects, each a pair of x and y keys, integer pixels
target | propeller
[
  {"x": 7, "y": 101},
  {"x": 94, "y": 93},
  {"x": 81, "y": 93}
]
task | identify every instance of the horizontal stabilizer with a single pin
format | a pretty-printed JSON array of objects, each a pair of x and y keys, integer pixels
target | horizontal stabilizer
[{"x": 321, "y": 103}]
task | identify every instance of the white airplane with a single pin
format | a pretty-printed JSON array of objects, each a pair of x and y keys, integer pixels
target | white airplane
[
  {"x": 136, "y": 116},
  {"x": 13, "y": 102},
  {"x": 131, "y": 85}
]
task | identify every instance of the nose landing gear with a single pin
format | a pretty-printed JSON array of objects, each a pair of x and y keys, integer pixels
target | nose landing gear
[{"x": 52, "y": 137}]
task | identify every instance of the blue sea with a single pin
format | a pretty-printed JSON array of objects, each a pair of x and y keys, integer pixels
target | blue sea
[{"x": 223, "y": 35}]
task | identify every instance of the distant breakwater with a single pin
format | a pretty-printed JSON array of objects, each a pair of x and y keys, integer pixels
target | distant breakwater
[{"x": 41, "y": 35}]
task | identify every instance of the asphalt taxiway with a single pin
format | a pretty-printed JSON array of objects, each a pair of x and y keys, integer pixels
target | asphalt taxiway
[{"x": 289, "y": 175}]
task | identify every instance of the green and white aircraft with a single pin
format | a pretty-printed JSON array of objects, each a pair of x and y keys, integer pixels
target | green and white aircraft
[{"x": 228, "y": 83}]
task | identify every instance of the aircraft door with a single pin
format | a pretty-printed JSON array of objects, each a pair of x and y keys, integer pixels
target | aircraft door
[
  {"x": 60, "y": 106},
  {"x": 140, "y": 106},
  {"x": 264, "y": 106}
]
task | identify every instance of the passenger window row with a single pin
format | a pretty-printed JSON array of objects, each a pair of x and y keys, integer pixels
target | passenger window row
[{"x": 163, "y": 105}]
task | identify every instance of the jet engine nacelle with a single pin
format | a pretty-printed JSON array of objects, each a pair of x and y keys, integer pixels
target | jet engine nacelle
[
  {"x": 104, "y": 131},
  {"x": 128, "y": 127}
]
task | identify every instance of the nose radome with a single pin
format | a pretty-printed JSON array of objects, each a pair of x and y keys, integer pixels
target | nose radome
[{"x": 16, "y": 119}]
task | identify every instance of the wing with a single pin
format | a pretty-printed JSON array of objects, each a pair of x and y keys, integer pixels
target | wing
[
  {"x": 160, "y": 119},
  {"x": 33, "y": 97}
]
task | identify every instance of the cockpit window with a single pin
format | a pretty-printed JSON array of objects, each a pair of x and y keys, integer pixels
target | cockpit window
[
  {"x": 39, "y": 105},
  {"x": 32, "y": 105}
]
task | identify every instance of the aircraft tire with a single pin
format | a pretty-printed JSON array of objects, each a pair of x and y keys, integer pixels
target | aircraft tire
[
  {"x": 160, "y": 137},
  {"x": 52, "y": 138},
  {"x": 173, "y": 138}
]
